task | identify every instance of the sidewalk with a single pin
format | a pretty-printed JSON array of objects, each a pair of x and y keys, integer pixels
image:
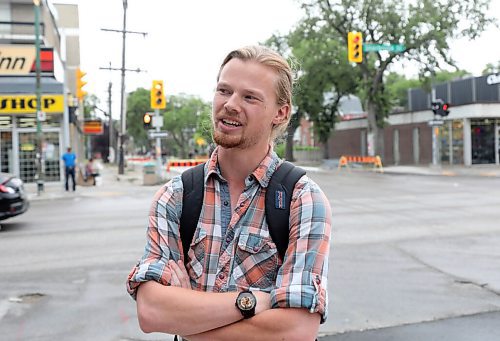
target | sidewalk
[{"x": 474, "y": 171}]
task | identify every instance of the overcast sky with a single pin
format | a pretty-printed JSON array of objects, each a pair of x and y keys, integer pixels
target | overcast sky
[{"x": 187, "y": 40}]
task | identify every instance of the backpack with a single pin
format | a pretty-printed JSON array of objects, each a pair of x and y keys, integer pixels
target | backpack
[{"x": 277, "y": 203}]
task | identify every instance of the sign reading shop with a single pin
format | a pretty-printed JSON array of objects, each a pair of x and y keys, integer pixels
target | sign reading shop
[{"x": 26, "y": 104}]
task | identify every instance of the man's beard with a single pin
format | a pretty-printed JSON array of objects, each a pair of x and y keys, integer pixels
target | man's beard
[{"x": 233, "y": 141}]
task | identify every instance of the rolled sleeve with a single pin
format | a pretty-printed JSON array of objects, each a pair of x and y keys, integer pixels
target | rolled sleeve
[
  {"x": 302, "y": 279},
  {"x": 163, "y": 240}
]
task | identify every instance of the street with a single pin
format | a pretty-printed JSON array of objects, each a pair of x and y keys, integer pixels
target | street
[{"x": 407, "y": 249}]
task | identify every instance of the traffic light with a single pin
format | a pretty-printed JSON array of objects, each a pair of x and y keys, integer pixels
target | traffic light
[
  {"x": 445, "y": 109},
  {"x": 355, "y": 47},
  {"x": 440, "y": 108},
  {"x": 157, "y": 96},
  {"x": 80, "y": 83},
  {"x": 147, "y": 120}
]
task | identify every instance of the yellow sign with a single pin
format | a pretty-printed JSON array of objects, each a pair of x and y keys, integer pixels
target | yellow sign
[
  {"x": 26, "y": 104},
  {"x": 16, "y": 59}
]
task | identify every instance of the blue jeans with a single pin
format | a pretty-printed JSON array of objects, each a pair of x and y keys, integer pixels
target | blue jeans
[{"x": 70, "y": 171}]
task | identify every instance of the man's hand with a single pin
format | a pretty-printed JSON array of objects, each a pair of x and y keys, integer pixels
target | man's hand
[{"x": 180, "y": 277}]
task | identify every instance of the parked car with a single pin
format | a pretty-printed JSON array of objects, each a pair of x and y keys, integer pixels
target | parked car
[{"x": 13, "y": 198}]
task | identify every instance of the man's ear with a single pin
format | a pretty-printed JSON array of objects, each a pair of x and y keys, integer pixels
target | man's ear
[{"x": 282, "y": 114}]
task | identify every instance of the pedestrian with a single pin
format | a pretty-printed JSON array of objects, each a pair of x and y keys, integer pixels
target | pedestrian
[
  {"x": 69, "y": 159},
  {"x": 234, "y": 285},
  {"x": 91, "y": 171}
]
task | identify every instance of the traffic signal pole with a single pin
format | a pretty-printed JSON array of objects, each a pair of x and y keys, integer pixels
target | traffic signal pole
[
  {"x": 39, "y": 136},
  {"x": 158, "y": 146}
]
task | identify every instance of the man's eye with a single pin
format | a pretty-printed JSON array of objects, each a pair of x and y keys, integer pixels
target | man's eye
[{"x": 222, "y": 90}]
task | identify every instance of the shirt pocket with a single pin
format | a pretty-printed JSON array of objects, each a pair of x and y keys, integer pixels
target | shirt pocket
[
  {"x": 255, "y": 262},
  {"x": 196, "y": 254}
]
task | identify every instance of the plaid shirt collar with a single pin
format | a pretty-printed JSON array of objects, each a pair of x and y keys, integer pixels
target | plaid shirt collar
[{"x": 262, "y": 173}]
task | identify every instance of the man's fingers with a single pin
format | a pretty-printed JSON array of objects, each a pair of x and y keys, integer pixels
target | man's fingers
[
  {"x": 185, "y": 274},
  {"x": 182, "y": 279}
]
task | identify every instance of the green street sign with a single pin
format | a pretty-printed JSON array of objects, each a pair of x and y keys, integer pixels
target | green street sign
[{"x": 383, "y": 47}]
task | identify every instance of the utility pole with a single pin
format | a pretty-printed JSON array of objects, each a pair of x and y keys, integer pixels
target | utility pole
[
  {"x": 38, "y": 90},
  {"x": 110, "y": 125},
  {"x": 123, "y": 125}
]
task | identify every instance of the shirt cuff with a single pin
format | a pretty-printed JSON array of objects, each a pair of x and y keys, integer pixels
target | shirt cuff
[
  {"x": 312, "y": 296},
  {"x": 147, "y": 272}
]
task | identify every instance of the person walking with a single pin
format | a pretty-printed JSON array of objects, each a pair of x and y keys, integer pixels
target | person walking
[
  {"x": 69, "y": 159},
  {"x": 233, "y": 284}
]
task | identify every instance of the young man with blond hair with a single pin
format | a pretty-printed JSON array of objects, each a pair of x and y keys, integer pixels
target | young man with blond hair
[{"x": 234, "y": 285}]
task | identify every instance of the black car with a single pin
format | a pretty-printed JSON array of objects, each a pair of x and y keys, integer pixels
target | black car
[{"x": 13, "y": 198}]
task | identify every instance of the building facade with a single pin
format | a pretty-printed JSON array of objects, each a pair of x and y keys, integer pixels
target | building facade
[
  {"x": 469, "y": 135},
  {"x": 59, "y": 58}
]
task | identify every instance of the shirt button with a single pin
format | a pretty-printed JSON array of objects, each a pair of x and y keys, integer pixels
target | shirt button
[
  {"x": 228, "y": 240},
  {"x": 318, "y": 280},
  {"x": 225, "y": 203},
  {"x": 222, "y": 275}
]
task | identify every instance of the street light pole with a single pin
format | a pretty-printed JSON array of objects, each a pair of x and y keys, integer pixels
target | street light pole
[{"x": 39, "y": 136}]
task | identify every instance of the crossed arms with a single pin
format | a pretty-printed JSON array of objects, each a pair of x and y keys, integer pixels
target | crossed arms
[{"x": 176, "y": 309}]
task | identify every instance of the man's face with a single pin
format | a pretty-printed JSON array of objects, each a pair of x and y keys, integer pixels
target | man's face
[{"x": 244, "y": 106}]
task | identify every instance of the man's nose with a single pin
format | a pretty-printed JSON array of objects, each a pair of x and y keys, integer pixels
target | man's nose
[{"x": 233, "y": 104}]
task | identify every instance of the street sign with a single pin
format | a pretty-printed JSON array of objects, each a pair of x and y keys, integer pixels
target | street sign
[
  {"x": 434, "y": 123},
  {"x": 383, "y": 47},
  {"x": 157, "y": 121},
  {"x": 155, "y": 134}
]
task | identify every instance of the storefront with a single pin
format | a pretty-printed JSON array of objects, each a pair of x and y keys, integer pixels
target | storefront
[
  {"x": 469, "y": 135},
  {"x": 18, "y": 127}
]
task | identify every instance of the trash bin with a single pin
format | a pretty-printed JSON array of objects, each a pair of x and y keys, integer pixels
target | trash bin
[{"x": 149, "y": 174}]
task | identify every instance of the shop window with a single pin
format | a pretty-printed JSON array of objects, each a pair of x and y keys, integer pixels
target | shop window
[{"x": 483, "y": 141}]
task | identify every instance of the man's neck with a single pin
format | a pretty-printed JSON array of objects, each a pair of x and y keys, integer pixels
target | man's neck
[{"x": 236, "y": 164}]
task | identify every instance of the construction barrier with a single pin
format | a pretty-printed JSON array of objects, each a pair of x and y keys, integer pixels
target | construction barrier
[
  {"x": 184, "y": 163},
  {"x": 345, "y": 160}
]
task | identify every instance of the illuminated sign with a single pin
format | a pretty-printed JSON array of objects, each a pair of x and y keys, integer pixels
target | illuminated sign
[
  {"x": 93, "y": 127},
  {"x": 16, "y": 59},
  {"x": 26, "y": 104}
]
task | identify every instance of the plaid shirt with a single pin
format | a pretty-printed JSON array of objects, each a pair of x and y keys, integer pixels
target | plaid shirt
[{"x": 245, "y": 256}]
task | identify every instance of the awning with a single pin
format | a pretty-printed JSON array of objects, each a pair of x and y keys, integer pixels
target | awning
[{"x": 27, "y": 85}]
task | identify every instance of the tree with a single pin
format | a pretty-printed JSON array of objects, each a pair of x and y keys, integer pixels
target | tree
[
  {"x": 184, "y": 116},
  {"x": 424, "y": 27},
  {"x": 323, "y": 78},
  {"x": 491, "y": 68},
  {"x": 138, "y": 103}
]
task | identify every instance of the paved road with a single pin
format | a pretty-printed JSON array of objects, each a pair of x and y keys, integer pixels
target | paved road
[{"x": 407, "y": 250}]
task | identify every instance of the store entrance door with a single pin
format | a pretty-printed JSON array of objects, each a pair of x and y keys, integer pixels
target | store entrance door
[
  {"x": 497, "y": 144},
  {"x": 6, "y": 156},
  {"x": 51, "y": 168}
]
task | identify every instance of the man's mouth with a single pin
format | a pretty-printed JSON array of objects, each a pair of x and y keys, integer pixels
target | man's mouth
[{"x": 231, "y": 123}]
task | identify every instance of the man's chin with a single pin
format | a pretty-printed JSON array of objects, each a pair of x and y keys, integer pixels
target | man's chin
[{"x": 227, "y": 142}]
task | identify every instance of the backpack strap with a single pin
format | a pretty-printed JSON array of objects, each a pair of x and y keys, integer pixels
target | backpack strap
[
  {"x": 192, "y": 202},
  {"x": 277, "y": 204},
  {"x": 278, "y": 198}
]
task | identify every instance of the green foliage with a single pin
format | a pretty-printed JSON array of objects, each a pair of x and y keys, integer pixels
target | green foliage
[
  {"x": 491, "y": 68},
  {"x": 306, "y": 148},
  {"x": 186, "y": 117},
  {"x": 280, "y": 150},
  {"x": 138, "y": 103}
]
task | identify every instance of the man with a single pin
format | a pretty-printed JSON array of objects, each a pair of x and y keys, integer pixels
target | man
[
  {"x": 235, "y": 286},
  {"x": 69, "y": 159}
]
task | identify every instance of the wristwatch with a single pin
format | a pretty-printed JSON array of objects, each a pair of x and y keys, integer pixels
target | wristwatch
[{"x": 246, "y": 303}]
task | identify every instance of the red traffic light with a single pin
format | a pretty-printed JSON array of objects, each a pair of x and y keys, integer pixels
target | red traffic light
[{"x": 445, "y": 106}]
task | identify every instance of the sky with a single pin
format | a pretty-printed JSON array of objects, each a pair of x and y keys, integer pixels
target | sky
[{"x": 187, "y": 39}]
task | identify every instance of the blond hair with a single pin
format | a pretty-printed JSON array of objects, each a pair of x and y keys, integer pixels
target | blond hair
[{"x": 284, "y": 85}]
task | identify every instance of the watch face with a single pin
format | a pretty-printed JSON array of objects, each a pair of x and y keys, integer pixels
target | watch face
[{"x": 246, "y": 301}]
